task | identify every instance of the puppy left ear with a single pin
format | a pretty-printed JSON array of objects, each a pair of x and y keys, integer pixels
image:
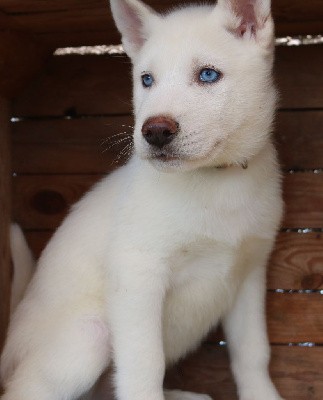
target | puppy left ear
[
  {"x": 133, "y": 19},
  {"x": 247, "y": 18}
]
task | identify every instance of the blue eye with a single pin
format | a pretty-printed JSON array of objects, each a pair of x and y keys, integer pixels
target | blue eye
[
  {"x": 209, "y": 75},
  {"x": 147, "y": 80}
]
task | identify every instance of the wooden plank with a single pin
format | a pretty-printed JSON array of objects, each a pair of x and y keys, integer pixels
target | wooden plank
[
  {"x": 5, "y": 210},
  {"x": 302, "y": 191},
  {"x": 83, "y": 37},
  {"x": 295, "y": 317},
  {"x": 57, "y": 17},
  {"x": 74, "y": 85},
  {"x": 5, "y": 22},
  {"x": 42, "y": 202},
  {"x": 71, "y": 131},
  {"x": 95, "y": 158},
  {"x": 297, "y": 262},
  {"x": 299, "y": 138},
  {"x": 68, "y": 20},
  {"x": 296, "y": 371},
  {"x": 303, "y": 197},
  {"x": 291, "y": 318},
  {"x": 300, "y": 83},
  {"x": 89, "y": 85},
  {"x": 21, "y": 59},
  {"x": 89, "y": 145},
  {"x": 41, "y": 6},
  {"x": 70, "y": 146}
]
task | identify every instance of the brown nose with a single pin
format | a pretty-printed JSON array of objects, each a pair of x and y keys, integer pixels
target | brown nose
[{"x": 159, "y": 131}]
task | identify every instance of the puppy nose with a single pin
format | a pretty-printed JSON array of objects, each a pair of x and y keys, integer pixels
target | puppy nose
[{"x": 159, "y": 131}]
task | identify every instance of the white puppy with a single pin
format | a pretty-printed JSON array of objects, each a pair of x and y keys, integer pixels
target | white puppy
[{"x": 175, "y": 242}]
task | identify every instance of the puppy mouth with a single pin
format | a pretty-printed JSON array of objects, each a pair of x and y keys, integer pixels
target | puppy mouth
[{"x": 165, "y": 157}]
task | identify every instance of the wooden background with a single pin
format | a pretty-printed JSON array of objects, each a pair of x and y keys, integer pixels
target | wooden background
[{"x": 62, "y": 126}]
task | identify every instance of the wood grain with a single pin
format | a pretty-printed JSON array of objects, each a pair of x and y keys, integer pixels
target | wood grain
[
  {"x": 5, "y": 211},
  {"x": 56, "y": 20},
  {"x": 295, "y": 317},
  {"x": 76, "y": 86},
  {"x": 70, "y": 146},
  {"x": 92, "y": 84},
  {"x": 291, "y": 318},
  {"x": 22, "y": 58},
  {"x": 299, "y": 139},
  {"x": 91, "y": 130},
  {"x": 41, "y": 202},
  {"x": 65, "y": 158},
  {"x": 303, "y": 197},
  {"x": 297, "y": 262},
  {"x": 300, "y": 83}
]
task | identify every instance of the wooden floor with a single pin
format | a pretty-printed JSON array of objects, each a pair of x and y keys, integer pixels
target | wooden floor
[{"x": 63, "y": 143}]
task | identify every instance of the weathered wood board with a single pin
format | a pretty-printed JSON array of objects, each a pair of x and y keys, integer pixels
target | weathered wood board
[
  {"x": 5, "y": 217},
  {"x": 61, "y": 23},
  {"x": 67, "y": 84}
]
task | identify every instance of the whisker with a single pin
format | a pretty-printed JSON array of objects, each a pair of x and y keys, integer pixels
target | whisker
[
  {"x": 126, "y": 151},
  {"x": 115, "y": 144},
  {"x": 115, "y": 136}
]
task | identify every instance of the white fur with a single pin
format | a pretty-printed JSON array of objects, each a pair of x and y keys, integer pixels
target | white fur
[
  {"x": 161, "y": 251},
  {"x": 23, "y": 265}
]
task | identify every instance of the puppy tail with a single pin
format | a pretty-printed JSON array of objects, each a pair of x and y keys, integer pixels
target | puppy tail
[{"x": 23, "y": 265}]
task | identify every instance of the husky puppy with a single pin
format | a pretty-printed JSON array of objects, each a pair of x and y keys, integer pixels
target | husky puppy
[{"x": 176, "y": 241}]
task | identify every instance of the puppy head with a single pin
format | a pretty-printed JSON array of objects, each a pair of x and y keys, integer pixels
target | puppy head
[{"x": 203, "y": 92}]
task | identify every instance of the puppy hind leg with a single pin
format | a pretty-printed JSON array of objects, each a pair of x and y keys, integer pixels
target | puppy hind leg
[
  {"x": 64, "y": 365},
  {"x": 246, "y": 333}
]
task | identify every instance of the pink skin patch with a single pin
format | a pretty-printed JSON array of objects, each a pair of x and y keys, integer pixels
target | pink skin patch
[
  {"x": 246, "y": 10},
  {"x": 134, "y": 25}
]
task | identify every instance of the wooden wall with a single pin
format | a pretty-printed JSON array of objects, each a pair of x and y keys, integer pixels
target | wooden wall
[
  {"x": 63, "y": 142},
  {"x": 89, "y": 22},
  {"x": 5, "y": 216}
]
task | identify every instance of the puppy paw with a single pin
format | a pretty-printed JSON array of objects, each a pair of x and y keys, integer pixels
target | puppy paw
[{"x": 180, "y": 395}]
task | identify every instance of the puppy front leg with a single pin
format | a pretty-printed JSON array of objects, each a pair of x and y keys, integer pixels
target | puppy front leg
[
  {"x": 135, "y": 314},
  {"x": 245, "y": 329}
]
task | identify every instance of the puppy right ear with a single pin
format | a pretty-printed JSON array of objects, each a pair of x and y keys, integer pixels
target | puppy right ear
[
  {"x": 133, "y": 19},
  {"x": 249, "y": 19}
]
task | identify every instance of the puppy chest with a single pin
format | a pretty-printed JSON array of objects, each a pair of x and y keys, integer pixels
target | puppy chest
[{"x": 204, "y": 263}]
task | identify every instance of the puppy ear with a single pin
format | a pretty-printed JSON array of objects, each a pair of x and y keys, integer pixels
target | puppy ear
[
  {"x": 247, "y": 18},
  {"x": 133, "y": 19}
]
